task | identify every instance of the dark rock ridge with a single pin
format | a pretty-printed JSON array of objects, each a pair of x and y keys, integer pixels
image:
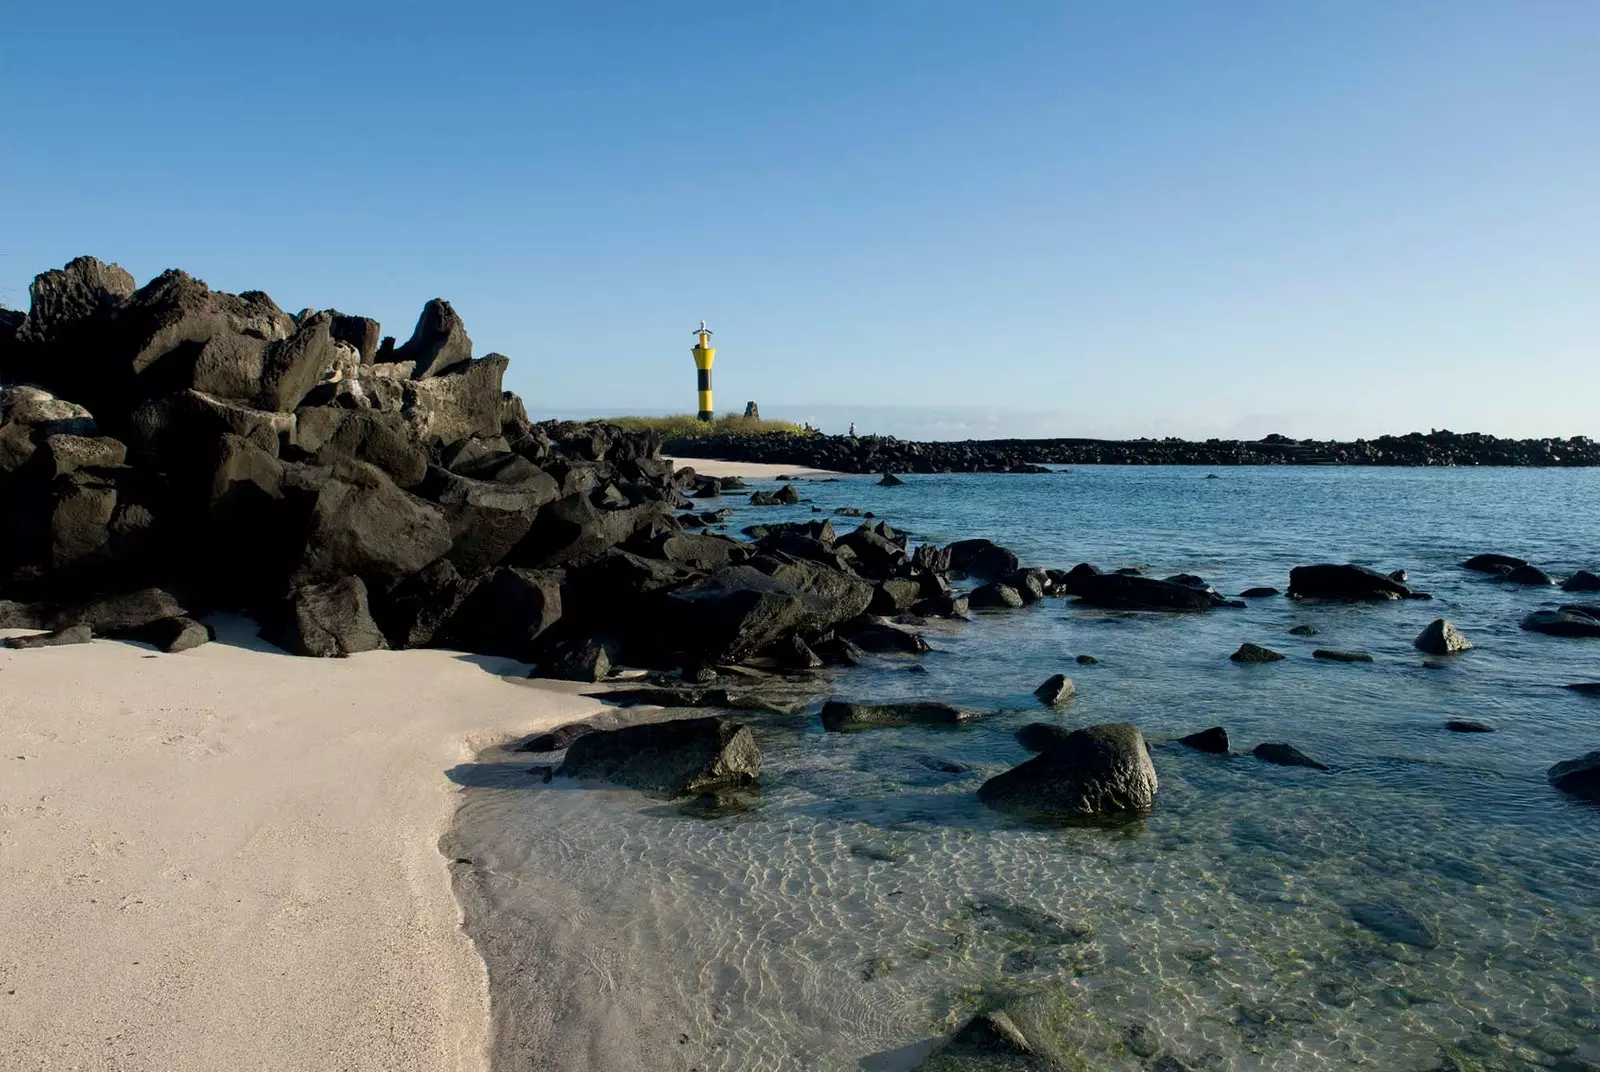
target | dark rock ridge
[
  {"x": 876, "y": 454},
  {"x": 167, "y": 451}
]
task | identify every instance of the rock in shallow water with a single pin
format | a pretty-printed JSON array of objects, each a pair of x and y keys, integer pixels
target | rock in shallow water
[
  {"x": 1461, "y": 725},
  {"x": 1285, "y": 755},
  {"x": 1396, "y": 924},
  {"x": 1580, "y": 777},
  {"x": 1333, "y": 656},
  {"x": 1096, "y": 772},
  {"x": 1213, "y": 740},
  {"x": 1041, "y": 1031},
  {"x": 1258, "y": 593},
  {"x": 1056, "y": 690},
  {"x": 682, "y": 756},
  {"x": 995, "y": 594},
  {"x": 839, "y": 715},
  {"x": 1255, "y": 653},
  {"x": 1038, "y": 736},
  {"x": 1566, "y": 622},
  {"x": 1441, "y": 638},
  {"x": 1492, "y": 563},
  {"x": 1582, "y": 581},
  {"x": 1531, "y": 575},
  {"x": 1303, "y": 630},
  {"x": 1346, "y": 583}
]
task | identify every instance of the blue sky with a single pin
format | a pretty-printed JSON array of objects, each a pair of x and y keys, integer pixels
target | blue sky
[{"x": 1321, "y": 218}]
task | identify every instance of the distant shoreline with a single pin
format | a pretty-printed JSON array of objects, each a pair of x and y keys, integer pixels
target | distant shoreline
[{"x": 874, "y": 454}]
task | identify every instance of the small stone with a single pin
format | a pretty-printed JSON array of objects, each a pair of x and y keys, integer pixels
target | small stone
[
  {"x": 1255, "y": 653},
  {"x": 1087, "y": 660},
  {"x": 1304, "y": 630}
]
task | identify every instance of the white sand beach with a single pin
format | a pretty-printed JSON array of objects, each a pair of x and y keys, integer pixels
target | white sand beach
[
  {"x": 750, "y": 470},
  {"x": 227, "y": 858}
]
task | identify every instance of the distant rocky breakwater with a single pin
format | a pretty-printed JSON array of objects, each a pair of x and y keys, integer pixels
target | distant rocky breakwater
[{"x": 877, "y": 454}]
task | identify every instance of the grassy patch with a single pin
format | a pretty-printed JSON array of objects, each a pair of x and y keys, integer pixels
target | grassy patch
[{"x": 686, "y": 424}]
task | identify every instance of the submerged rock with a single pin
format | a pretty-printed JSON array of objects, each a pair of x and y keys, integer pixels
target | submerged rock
[
  {"x": 1087, "y": 660},
  {"x": 1580, "y": 777},
  {"x": 1347, "y": 583},
  {"x": 1056, "y": 690},
  {"x": 1285, "y": 755},
  {"x": 840, "y": 715},
  {"x": 72, "y": 634},
  {"x": 995, "y": 594},
  {"x": 1213, "y": 740},
  {"x": 1303, "y": 630},
  {"x": 1096, "y": 772},
  {"x": 1582, "y": 581},
  {"x": 1041, "y": 1031},
  {"x": 1461, "y": 725},
  {"x": 1396, "y": 924},
  {"x": 1588, "y": 688},
  {"x": 1258, "y": 593},
  {"x": 1333, "y": 656},
  {"x": 1531, "y": 575},
  {"x": 890, "y": 481},
  {"x": 1441, "y": 638},
  {"x": 1255, "y": 653},
  {"x": 1492, "y": 563},
  {"x": 1566, "y": 622},
  {"x": 679, "y": 757},
  {"x": 1128, "y": 592}
]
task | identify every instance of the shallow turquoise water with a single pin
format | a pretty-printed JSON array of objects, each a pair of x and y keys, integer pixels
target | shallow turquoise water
[{"x": 867, "y": 901}]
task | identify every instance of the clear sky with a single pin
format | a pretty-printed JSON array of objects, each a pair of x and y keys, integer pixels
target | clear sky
[{"x": 1199, "y": 218}]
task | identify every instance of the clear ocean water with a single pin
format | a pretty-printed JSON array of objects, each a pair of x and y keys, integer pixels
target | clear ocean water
[{"x": 1428, "y": 903}]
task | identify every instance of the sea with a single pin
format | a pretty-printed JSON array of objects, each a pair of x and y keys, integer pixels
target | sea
[{"x": 1429, "y": 902}]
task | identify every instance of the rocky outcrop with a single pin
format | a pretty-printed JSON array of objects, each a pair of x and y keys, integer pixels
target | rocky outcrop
[
  {"x": 1099, "y": 772},
  {"x": 674, "y": 758},
  {"x": 1347, "y": 583},
  {"x": 1441, "y": 637},
  {"x": 1255, "y": 653},
  {"x": 1579, "y": 777}
]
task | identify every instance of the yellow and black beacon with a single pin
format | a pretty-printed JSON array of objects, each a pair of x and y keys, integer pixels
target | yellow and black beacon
[{"x": 704, "y": 353}]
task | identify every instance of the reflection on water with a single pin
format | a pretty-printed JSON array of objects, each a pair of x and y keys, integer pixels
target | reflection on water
[{"x": 1428, "y": 903}]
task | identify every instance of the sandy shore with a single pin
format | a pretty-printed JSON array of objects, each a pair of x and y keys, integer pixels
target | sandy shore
[
  {"x": 227, "y": 858},
  {"x": 753, "y": 470}
]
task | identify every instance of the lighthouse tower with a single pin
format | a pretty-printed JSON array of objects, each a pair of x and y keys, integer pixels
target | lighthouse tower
[{"x": 704, "y": 353}]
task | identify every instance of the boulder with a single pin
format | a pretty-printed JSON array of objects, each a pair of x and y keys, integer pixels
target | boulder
[
  {"x": 573, "y": 530},
  {"x": 487, "y": 520},
  {"x": 1303, "y": 630},
  {"x": 1579, "y": 777},
  {"x": 1582, "y": 581},
  {"x": 1255, "y": 653},
  {"x": 438, "y": 344},
  {"x": 675, "y": 758},
  {"x": 1492, "y": 563},
  {"x": 360, "y": 333},
  {"x": 463, "y": 403},
  {"x": 784, "y": 496},
  {"x": 413, "y": 611},
  {"x": 931, "y": 559},
  {"x": 1038, "y": 736},
  {"x": 1562, "y": 623},
  {"x": 984, "y": 559},
  {"x": 890, "y": 481},
  {"x": 65, "y": 300},
  {"x": 994, "y": 594},
  {"x": 1441, "y": 637},
  {"x": 1213, "y": 740},
  {"x": 361, "y": 524},
  {"x": 14, "y": 615},
  {"x": 291, "y": 367},
  {"x": 1529, "y": 575},
  {"x": 72, "y": 634},
  {"x": 945, "y": 606},
  {"x": 588, "y": 659},
  {"x": 1257, "y": 593},
  {"x": 1285, "y": 755},
  {"x": 1029, "y": 582},
  {"x": 1087, "y": 660},
  {"x": 330, "y": 620},
  {"x": 380, "y": 439},
  {"x": 1124, "y": 592},
  {"x": 1056, "y": 690},
  {"x": 507, "y": 613},
  {"x": 121, "y": 614},
  {"x": 884, "y": 639},
  {"x": 1097, "y": 772},
  {"x": 1333, "y": 656},
  {"x": 59, "y": 455},
  {"x": 739, "y": 610},
  {"x": 1347, "y": 583},
  {"x": 179, "y": 428},
  {"x": 839, "y": 715},
  {"x": 894, "y": 595},
  {"x": 172, "y": 635},
  {"x": 700, "y": 552}
]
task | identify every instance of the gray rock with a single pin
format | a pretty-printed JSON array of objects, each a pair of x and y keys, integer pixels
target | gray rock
[
  {"x": 1441, "y": 638},
  {"x": 1285, "y": 755},
  {"x": 1580, "y": 777},
  {"x": 1562, "y": 623},
  {"x": 842, "y": 715},
  {"x": 676, "y": 758},
  {"x": 72, "y": 634},
  {"x": 1531, "y": 575},
  {"x": 1255, "y": 653},
  {"x": 1213, "y": 740},
  {"x": 984, "y": 559},
  {"x": 1056, "y": 690},
  {"x": 1101, "y": 771}
]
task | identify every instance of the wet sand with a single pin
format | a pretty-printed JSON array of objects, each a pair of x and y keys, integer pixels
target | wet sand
[{"x": 751, "y": 470}]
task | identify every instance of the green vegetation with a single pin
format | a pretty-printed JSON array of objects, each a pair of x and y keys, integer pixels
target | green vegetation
[{"x": 686, "y": 424}]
